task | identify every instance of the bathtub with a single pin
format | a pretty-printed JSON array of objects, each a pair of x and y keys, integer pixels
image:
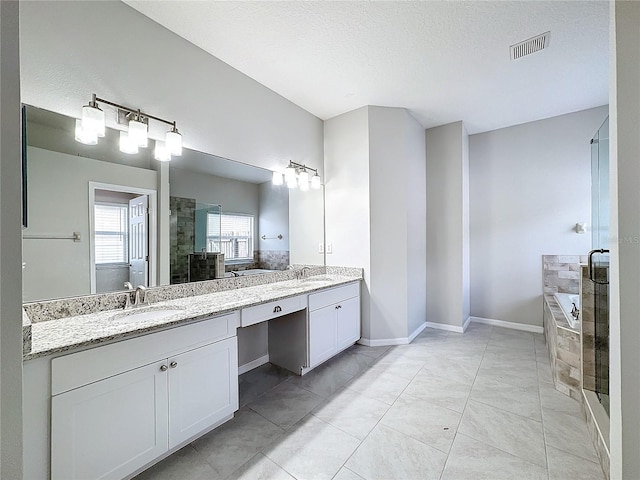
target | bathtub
[{"x": 566, "y": 301}]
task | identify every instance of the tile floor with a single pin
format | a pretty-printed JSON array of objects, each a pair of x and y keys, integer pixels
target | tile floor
[{"x": 452, "y": 407}]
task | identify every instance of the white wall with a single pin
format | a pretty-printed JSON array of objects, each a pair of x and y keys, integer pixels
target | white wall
[
  {"x": 624, "y": 328},
  {"x": 306, "y": 226},
  {"x": 347, "y": 221},
  {"x": 529, "y": 186},
  {"x": 375, "y": 169},
  {"x": 58, "y": 191},
  {"x": 447, "y": 281},
  {"x": 416, "y": 225},
  {"x": 388, "y": 181},
  {"x": 10, "y": 271}
]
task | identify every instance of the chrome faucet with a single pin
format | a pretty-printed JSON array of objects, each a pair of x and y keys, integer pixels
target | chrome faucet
[
  {"x": 235, "y": 274},
  {"x": 141, "y": 291},
  {"x": 129, "y": 287}
]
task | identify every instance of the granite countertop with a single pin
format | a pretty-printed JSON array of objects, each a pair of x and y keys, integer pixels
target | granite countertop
[{"x": 63, "y": 334}]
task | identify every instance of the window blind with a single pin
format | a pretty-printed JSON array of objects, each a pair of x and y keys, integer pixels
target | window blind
[{"x": 111, "y": 233}]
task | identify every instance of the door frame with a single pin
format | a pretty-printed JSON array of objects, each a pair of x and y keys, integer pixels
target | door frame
[{"x": 152, "y": 231}]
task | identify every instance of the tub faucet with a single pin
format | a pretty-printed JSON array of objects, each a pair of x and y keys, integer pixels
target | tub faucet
[{"x": 235, "y": 274}]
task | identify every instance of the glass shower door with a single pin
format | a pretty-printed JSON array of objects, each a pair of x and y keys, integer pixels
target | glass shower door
[{"x": 600, "y": 263}]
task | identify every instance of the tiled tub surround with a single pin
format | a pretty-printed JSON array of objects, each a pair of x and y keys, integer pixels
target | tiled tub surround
[
  {"x": 564, "y": 345},
  {"x": 561, "y": 273},
  {"x": 60, "y": 325}
]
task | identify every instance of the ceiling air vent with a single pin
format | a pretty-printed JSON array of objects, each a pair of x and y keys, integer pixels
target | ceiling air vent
[{"x": 529, "y": 46}]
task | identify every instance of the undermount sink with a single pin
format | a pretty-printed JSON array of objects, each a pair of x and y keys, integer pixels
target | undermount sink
[{"x": 146, "y": 313}]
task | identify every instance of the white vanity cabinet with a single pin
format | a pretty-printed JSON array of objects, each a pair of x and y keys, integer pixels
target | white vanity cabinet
[
  {"x": 334, "y": 322},
  {"x": 117, "y": 408}
]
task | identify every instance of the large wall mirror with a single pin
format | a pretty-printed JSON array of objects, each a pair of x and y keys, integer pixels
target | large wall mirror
[{"x": 97, "y": 217}]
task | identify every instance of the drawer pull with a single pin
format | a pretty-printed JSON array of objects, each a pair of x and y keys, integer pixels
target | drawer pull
[
  {"x": 277, "y": 309},
  {"x": 338, "y": 306},
  {"x": 164, "y": 368},
  {"x": 173, "y": 364}
]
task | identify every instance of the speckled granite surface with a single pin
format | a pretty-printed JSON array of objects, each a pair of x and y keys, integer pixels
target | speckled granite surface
[
  {"x": 97, "y": 326},
  {"x": 74, "y": 306},
  {"x": 26, "y": 333}
]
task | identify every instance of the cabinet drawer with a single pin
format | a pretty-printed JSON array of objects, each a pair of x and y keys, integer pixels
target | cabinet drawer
[
  {"x": 333, "y": 295},
  {"x": 81, "y": 368},
  {"x": 267, "y": 311}
]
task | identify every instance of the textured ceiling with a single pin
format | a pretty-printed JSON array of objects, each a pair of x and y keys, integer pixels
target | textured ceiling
[{"x": 444, "y": 61}]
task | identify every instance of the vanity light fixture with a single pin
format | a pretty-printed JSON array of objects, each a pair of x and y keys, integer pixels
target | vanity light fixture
[
  {"x": 297, "y": 175},
  {"x": 92, "y": 125}
]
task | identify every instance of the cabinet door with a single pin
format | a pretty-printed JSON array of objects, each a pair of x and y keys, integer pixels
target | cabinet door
[
  {"x": 203, "y": 389},
  {"x": 322, "y": 334},
  {"x": 110, "y": 428},
  {"x": 348, "y": 324}
]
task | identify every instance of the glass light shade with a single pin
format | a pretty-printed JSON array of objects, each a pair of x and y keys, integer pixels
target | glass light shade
[
  {"x": 315, "y": 182},
  {"x": 138, "y": 133},
  {"x": 303, "y": 180},
  {"x": 161, "y": 152},
  {"x": 127, "y": 145},
  {"x": 93, "y": 120},
  {"x": 82, "y": 136},
  {"x": 292, "y": 182},
  {"x": 277, "y": 179},
  {"x": 290, "y": 174},
  {"x": 173, "y": 141}
]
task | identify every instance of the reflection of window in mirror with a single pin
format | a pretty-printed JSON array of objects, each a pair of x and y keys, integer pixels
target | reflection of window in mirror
[
  {"x": 236, "y": 236},
  {"x": 111, "y": 233}
]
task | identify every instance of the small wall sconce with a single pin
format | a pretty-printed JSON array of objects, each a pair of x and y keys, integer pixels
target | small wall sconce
[
  {"x": 581, "y": 227},
  {"x": 92, "y": 126},
  {"x": 297, "y": 175}
]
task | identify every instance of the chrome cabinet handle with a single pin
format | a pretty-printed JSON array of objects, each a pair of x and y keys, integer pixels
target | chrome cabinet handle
[
  {"x": 277, "y": 309},
  {"x": 173, "y": 364},
  {"x": 164, "y": 368},
  {"x": 338, "y": 306}
]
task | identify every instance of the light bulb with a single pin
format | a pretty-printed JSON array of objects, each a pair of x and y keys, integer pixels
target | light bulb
[
  {"x": 173, "y": 141},
  {"x": 161, "y": 153},
  {"x": 138, "y": 132},
  {"x": 315, "y": 182},
  {"x": 127, "y": 145},
  {"x": 93, "y": 119},
  {"x": 303, "y": 180},
  {"x": 277, "y": 179},
  {"x": 290, "y": 174},
  {"x": 82, "y": 136},
  {"x": 292, "y": 182}
]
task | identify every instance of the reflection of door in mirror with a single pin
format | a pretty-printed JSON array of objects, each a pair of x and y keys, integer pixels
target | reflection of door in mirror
[{"x": 138, "y": 241}]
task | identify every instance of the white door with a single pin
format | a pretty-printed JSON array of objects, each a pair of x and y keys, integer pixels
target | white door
[
  {"x": 138, "y": 241},
  {"x": 203, "y": 389},
  {"x": 109, "y": 429},
  {"x": 348, "y": 322},
  {"x": 322, "y": 334}
]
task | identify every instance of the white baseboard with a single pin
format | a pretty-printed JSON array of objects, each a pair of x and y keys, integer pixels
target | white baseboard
[
  {"x": 444, "y": 326},
  {"x": 417, "y": 332},
  {"x": 253, "y": 364},
  {"x": 385, "y": 342},
  {"x": 504, "y": 324}
]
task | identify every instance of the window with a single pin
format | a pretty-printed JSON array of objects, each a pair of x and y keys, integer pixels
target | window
[
  {"x": 112, "y": 236},
  {"x": 235, "y": 235}
]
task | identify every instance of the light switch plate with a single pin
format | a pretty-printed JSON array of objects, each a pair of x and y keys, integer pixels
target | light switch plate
[
  {"x": 329, "y": 248},
  {"x": 321, "y": 247}
]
